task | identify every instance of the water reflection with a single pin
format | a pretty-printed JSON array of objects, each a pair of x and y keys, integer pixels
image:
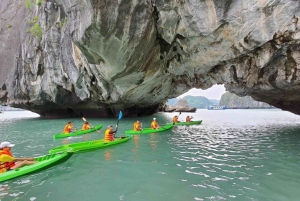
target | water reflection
[
  {"x": 108, "y": 154},
  {"x": 4, "y": 191},
  {"x": 153, "y": 141},
  {"x": 136, "y": 143}
]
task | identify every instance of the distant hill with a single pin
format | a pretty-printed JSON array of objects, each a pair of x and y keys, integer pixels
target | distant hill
[
  {"x": 7, "y": 108},
  {"x": 172, "y": 102},
  {"x": 194, "y": 101},
  {"x": 232, "y": 101}
]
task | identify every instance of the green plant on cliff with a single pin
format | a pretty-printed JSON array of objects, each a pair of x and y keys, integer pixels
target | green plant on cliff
[
  {"x": 28, "y": 4},
  {"x": 34, "y": 20},
  {"x": 62, "y": 23},
  {"x": 36, "y": 30},
  {"x": 39, "y": 2},
  {"x": 8, "y": 25}
]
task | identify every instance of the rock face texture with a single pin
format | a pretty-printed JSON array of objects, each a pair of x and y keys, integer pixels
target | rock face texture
[{"x": 63, "y": 58}]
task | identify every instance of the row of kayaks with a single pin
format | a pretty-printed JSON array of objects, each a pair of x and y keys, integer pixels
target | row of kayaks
[
  {"x": 62, "y": 153},
  {"x": 130, "y": 132}
]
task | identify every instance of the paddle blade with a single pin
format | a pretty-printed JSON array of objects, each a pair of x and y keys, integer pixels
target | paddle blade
[
  {"x": 120, "y": 115},
  {"x": 83, "y": 119}
]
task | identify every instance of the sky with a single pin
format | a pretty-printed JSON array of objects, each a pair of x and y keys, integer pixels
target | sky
[{"x": 215, "y": 92}]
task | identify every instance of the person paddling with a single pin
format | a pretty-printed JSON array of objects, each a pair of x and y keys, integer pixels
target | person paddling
[
  {"x": 137, "y": 126},
  {"x": 154, "y": 124},
  {"x": 8, "y": 161},
  {"x": 188, "y": 119},
  {"x": 175, "y": 119},
  {"x": 109, "y": 134},
  {"x": 86, "y": 126},
  {"x": 68, "y": 128}
]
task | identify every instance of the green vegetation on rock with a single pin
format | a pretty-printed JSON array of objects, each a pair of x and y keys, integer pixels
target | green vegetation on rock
[
  {"x": 39, "y": 2},
  {"x": 28, "y": 4},
  {"x": 36, "y": 30}
]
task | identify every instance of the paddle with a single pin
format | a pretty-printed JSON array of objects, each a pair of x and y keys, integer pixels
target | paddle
[
  {"x": 84, "y": 119},
  {"x": 74, "y": 126},
  {"x": 177, "y": 117},
  {"x": 120, "y": 117}
]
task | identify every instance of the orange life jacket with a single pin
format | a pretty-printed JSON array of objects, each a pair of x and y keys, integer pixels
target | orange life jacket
[
  {"x": 67, "y": 128},
  {"x": 108, "y": 136},
  {"x": 136, "y": 126},
  {"x": 5, "y": 166},
  {"x": 85, "y": 127},
  {"x": 154, "y": 125},
  {"x": 175, "y": 119},
  {"x": 188, "y": 119}
]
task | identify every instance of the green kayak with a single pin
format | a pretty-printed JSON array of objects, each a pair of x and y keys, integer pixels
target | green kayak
[
  {"x": 186, "y": 123},
  {"x": 88, "y": 145},
  {"x": 150, "y": 130},
  {"x": 42, "y": 162},
  {"x": 79, "y": 132}
]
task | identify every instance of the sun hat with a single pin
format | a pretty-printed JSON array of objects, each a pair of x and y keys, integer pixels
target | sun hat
[{"x": 6, "y": 144}]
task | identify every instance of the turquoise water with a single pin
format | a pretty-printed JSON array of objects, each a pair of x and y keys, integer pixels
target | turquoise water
[{"x": 233, "y": 155}]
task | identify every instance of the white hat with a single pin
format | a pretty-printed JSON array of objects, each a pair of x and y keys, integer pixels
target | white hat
[
  {"x": 154, "y": 118},
  {"x": 6, "y": 144}
]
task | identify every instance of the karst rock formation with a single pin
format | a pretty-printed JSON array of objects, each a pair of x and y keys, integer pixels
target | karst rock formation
[{"x": 93, "y": 58}]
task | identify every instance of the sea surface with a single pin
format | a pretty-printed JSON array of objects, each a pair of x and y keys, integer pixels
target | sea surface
[{"x": 233, "y": 155}]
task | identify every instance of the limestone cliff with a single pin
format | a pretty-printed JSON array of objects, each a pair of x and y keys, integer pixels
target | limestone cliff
[
  {"x": 64, "y": 58},
  {"x": 232, "y": 101}
]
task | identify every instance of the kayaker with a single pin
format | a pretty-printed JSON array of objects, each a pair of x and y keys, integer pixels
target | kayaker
[
  {"x": 137, "y": 126},
  {"x": 175, "y": 119},
  {"x": 109, "y": 134},
  {"x": 154, "y": 124},
  {"x": 188, "y": 119},
  {"x": 8, "y": 161},
  {"x": 68, "y": 128},
  {"x": 86, "y": 126}
]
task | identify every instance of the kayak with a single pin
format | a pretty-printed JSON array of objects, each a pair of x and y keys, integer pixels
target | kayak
[
  {"x": 79, "y": 132},
  {"x": 150, "y": 130},
  {"x": 187, "y": 123},
  {"x": 80, "y": 147},
  {"x": 42, "y": 162}
]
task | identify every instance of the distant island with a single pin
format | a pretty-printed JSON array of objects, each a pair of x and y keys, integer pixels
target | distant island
[
  {"x": 232, "y": 101},
  {"x": 229, "y": 100},
  {"x": 199, "y": 102},
  {"x": 7, "y": 108}
]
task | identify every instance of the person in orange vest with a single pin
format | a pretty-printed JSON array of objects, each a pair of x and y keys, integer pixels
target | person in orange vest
[
  {"x": 137, "y": 126},
  {"x": 175, "y": 119},
  {"x": 8, "y": 161},
  {"x": 109, "y": 134},
  {"x": 68, "y": 128},
  {"x": 86, "y": 126},
  {"x": 188, "y": 119},
  {"x": 154, "y": 124}
]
